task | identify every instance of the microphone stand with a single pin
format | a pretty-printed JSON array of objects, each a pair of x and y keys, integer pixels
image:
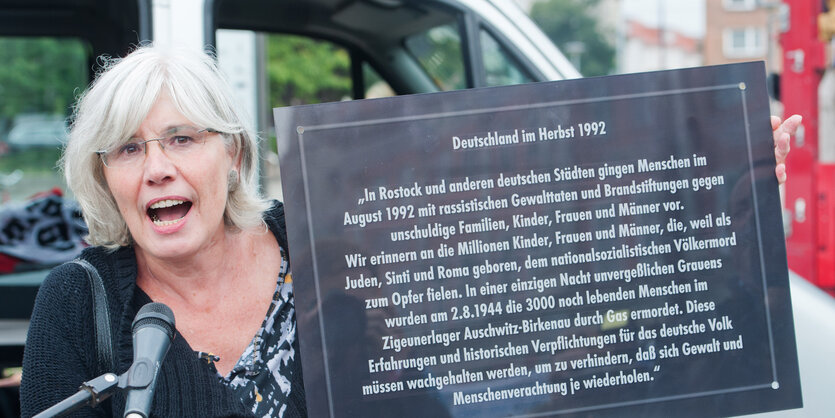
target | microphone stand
[
  {"x": 91, "y": 392},
  {"x": 95, "y": 391}
]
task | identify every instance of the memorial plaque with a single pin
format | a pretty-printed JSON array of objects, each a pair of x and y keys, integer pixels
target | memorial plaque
[{"x": 608, "y": 246}]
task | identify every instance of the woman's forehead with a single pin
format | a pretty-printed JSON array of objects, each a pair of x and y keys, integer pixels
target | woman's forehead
[{"x": 163, "y": 117}]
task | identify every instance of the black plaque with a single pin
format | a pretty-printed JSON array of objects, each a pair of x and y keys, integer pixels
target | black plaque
[{"x": 609, "y": 246}]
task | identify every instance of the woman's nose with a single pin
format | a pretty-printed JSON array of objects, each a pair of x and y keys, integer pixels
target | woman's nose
[{"x": 157, "y": 166}]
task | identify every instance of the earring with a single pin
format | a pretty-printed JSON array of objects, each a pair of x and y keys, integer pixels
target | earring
[{"x": 233, "y": 180}]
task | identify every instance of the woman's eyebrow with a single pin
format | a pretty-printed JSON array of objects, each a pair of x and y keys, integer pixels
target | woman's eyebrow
[{"x": 167, "y": 131}]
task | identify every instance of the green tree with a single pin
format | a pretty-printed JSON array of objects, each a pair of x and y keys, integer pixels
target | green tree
[
  {"x": 572, "y": 26},
  {"x": 40, "y": 75},
  {"x": 304, "y": 71}
]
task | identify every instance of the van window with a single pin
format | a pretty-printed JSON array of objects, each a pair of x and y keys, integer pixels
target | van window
[
  {"x": 500, "y": 69},
  {"x": 302, "y": 70},
  {"x": 440, "y": 54},
  {"x": 294, "y": 70},
  {"x": 39, "y": 79},
  {"x": 375, "y": 85}
]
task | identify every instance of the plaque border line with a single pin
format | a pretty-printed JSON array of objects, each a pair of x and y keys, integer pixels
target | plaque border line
[
  {"x": 775, "y": 382},
  {"x": 302, "y": 129}
]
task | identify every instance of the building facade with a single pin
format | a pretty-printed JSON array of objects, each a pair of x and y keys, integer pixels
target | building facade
[
  {"x": 646, "y": 48},
  {"x": 741, "y": 30}
]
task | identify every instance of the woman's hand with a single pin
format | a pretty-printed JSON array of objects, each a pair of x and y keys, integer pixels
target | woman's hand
[{"x": 782, "y": 132}]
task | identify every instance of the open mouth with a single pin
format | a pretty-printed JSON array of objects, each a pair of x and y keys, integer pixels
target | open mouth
[{"x": 168, "y": 212}]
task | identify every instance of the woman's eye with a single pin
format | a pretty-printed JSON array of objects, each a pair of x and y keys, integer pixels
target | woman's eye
[
  {"x": 180, "y": 140},
  {"x": 129, "y": 149}
]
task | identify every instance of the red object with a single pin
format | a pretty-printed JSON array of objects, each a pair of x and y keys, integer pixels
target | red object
[
  {"x": 825, "y": 275},
  {"x": 810, "y": 191},
  {"x": 8, "y": 263}
]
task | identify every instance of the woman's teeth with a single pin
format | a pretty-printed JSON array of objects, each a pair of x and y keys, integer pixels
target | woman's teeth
[{"x": 166, "y": 203}]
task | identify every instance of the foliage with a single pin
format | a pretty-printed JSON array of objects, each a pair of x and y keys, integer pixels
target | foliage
[
  {"x": 567, "y": 21},
  {"x": 40, "y": 75},
  {"x": 39, "y": 80},
  {"x": 31, "y": 160},
  {"x": 304, "y": 71}
]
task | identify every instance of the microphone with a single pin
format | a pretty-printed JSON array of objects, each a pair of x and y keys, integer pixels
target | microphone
[{"x": 153, "y": 331}]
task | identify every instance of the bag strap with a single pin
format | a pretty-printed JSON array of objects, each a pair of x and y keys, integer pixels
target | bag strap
[{"x": 101, "y": 316}]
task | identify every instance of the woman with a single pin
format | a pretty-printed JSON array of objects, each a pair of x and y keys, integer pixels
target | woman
[{"x": 163, "y": 166}]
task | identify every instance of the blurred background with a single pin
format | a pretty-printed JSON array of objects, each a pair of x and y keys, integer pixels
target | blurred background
[{"x": 603, "y": 37}]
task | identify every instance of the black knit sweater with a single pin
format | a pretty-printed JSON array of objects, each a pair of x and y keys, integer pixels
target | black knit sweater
[{"x": 60, "y": 349}]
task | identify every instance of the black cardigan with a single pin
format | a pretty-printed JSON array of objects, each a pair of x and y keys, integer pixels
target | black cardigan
[{"x": 60, "y": 349}]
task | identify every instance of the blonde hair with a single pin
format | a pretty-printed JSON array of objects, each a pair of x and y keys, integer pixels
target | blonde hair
[{"x": 117, "y": 102}]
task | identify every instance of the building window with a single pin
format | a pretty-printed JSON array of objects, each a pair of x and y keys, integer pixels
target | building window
[
  {"x": 746, "y": 42},
  {"x": 740, "y": 5}
]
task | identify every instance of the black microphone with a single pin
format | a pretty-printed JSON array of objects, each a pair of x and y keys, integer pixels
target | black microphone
[{"x": 153, "y": 331}]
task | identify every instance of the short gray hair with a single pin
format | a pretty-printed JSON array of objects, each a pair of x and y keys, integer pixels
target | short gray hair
[{"x": 117, "y": 102}]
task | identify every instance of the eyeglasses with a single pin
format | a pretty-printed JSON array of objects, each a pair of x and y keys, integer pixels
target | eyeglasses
[{"x": 178, "y": 144}]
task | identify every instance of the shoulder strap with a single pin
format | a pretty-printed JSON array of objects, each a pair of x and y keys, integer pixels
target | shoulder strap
[{"x": 101, "y": 317}]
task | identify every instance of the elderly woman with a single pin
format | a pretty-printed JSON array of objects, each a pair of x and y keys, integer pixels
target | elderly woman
[{"x": 163, "y": 165}]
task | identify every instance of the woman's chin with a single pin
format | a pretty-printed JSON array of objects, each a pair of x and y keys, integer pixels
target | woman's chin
[{"x": 169, "y": 239}]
